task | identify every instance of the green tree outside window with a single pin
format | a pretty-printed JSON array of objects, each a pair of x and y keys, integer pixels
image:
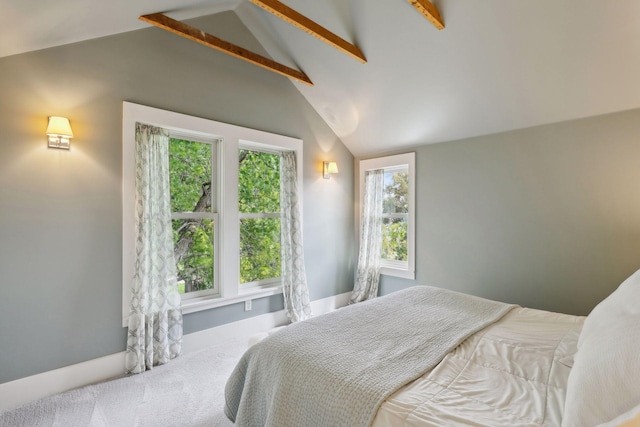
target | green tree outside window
[{"x": 395, "y": 215}]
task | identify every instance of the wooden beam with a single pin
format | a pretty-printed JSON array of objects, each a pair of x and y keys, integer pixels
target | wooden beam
[
  {"x": 300, "y": 21},
  {"x": 162, "y": 21},
  {"x": 429, "y": 11}
]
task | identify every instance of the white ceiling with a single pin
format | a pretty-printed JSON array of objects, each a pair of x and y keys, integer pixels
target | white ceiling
[{"x": 498, "y": 65}]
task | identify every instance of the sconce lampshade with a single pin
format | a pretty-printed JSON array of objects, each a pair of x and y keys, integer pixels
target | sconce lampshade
[
  {"x": 59, "y": 132},
  {"x": 328, "y": 169}
]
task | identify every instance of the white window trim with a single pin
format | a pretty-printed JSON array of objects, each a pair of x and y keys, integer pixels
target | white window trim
[
  {"x": 393, "y": 268},
  {"x": 231, "y": 138}
]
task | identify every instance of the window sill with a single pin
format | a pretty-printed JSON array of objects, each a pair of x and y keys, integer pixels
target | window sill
[
  {"x": 398, "y": 272},
  {"x": 206, "y": 303}
]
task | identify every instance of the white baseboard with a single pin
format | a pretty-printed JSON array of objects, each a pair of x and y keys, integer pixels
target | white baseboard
[{"x": 24, "y": 390}]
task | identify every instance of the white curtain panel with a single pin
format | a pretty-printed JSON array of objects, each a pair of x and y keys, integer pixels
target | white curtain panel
[
  {"x": 368, "y": 273},
  {"x": 294, "y": 277},
  {"x": 155, "y": 319}
]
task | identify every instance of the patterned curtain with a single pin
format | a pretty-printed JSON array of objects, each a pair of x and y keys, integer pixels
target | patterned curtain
[
  {"x": 368, "y": 273},
  {"x": 294, "y": 278},
  {"x": 155, "y": 319}
]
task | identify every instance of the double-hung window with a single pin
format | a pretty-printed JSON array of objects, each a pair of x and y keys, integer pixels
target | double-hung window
[
  {"x": 259, "y": 212},
  {"x": 225, "y": 207},
  {"x": 398, "y": 218},
  {"x": 193, "y": 171}
]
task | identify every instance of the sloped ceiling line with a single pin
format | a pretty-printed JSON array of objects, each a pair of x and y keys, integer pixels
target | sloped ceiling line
[
  {"x": 300, "y": 21},
  {"x": 289, "y": 15},
  {"x": 501, "y": 65},
  {"x": 162, "y": 21}
]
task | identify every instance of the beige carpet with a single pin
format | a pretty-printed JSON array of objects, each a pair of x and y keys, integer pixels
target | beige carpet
[{"x": 189, "y": 391}]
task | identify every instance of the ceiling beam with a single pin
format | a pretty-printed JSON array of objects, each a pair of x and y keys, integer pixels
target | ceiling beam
[
  {"x": 300, "y": 21},
  {"x": 429, "y": 11},
  {"x": 162, "y": 21}
]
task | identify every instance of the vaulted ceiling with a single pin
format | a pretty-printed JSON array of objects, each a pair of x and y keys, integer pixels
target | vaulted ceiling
[{"x": 498, "y": 65}]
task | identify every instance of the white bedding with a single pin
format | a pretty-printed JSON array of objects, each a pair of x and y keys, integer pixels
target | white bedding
[
  {"x": 512, "y": 373},
  {"x": 336, "y": 369}
]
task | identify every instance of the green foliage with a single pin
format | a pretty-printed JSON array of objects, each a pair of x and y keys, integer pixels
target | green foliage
[
  {"x": 195, "y": 268},
  {"x": 189, "y": 171},
  {"x": 259, "y": 192},
  {"x": 258, "y": 182},
  {"x": 396, "y": 198},
  {"x": 259, "y": 249},
  {"x": 394, "y": 240},
  {"x": 190, "y": 179},
  {"x": 394, "y": 230}
]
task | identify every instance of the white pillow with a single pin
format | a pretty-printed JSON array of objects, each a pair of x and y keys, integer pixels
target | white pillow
[{"x": 605, "y": 379}]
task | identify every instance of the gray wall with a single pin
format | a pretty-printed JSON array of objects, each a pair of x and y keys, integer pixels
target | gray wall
[
  {"x": 546, "y": 217},
  {"x": 60, "y": 212}
]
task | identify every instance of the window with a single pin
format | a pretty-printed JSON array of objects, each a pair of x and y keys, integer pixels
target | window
[
  {"x": 259, "y": 208},
  {"x": 398, "y": 244},
  {"x": 192, "y": 175},
  {"x": 395, "y": 214},
  {"x": 225, "y": 185}
]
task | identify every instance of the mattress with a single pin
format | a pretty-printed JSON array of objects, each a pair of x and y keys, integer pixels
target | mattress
[
  {"x": 321, "y": 373},
  {"x": 512, "y": 373}
]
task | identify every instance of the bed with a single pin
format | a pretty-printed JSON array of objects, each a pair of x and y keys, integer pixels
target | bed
[{"x": 426, "y": 357}]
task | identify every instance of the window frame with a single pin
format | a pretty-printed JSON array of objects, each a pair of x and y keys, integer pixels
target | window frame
[
  {"x": 391, "y": 267},
  {"x": 256, "y": 284},
  {"x": 212, "y": 215},
  {"x": 231, "y": 138}
]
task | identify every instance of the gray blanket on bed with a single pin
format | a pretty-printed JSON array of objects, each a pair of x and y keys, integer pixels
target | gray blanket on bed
[{"x": 337, "y": 369}]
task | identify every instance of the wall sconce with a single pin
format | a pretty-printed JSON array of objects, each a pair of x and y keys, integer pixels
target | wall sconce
[
  {"x": 59, "y": 132},
  {"x": 328, "y": 168}
]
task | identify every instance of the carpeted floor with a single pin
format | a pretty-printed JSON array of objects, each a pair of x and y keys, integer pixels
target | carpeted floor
[{"x": 189, "y": 391}]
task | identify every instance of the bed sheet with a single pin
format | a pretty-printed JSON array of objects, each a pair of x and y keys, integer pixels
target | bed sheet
[{"x": 513, "y": 373}]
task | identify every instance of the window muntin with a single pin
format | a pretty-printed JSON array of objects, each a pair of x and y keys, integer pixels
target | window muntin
[
  {"x": 192, "y": 176},
  {"x": 259, "y": 215}
]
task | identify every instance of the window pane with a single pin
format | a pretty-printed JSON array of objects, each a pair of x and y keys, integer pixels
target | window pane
[
  {"x": 395, "y": 208},
  {"x": 190, "y": 176},
  {"x": 259, "y": 182},
  {"x": 396, "y": 191},
  {"x": 394, "y": 239},
  {"x": 193, "y": 249},
  {"x": 259, "y": 249}
]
